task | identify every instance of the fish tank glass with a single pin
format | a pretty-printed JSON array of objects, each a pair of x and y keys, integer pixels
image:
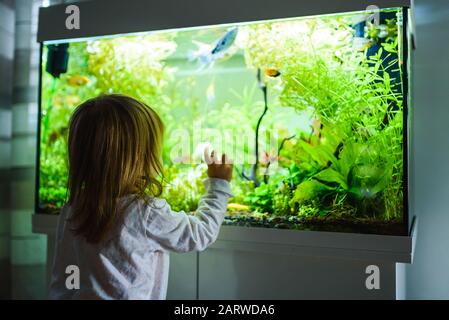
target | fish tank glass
[{"x": 312, "y": 110}]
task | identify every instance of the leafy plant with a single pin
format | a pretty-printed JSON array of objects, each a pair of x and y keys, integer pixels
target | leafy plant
[
  {"x": 261, "y": 199},
  {"x": 357, "y": 177},
  {"x": 184, "y": 187}
]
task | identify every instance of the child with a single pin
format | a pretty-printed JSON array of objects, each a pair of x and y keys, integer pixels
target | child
[{"x": 113, "y": 228}]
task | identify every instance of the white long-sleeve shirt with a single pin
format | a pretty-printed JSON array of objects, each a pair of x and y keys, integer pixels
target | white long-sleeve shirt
[{"x": 133, "y": 263}]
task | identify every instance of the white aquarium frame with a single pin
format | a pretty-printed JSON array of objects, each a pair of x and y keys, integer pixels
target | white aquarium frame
[{"x": 244, "y": 262}]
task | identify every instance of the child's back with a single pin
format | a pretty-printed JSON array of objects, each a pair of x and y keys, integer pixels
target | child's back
[{"x": 130, "y": 260}]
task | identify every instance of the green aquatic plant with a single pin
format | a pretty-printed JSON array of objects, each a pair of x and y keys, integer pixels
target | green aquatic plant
[
  {"x": 184, "y": 186},
  {"x": 91, "y": 71},
  {"x": 357, "y": 177},
  {"x": 261, "y": 199},
  {"x": 132, "y": 65},
  {"x": 387, "y": 31},
  {"x": 281, "y": 200},
  {"x": 59, "y": 99},
  {"x": 351, "y": 96}
]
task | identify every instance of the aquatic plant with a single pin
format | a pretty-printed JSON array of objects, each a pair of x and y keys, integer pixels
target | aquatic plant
[
  {"x": 134, "y": 65},
  {"x": 184, "y": 186},
  {"x": 92, "y": 71},
  {"x": 350, "y": 96}
]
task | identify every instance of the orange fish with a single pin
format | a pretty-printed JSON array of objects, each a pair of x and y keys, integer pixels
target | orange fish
[
  {"x": 272, "y": 72},
  {"x": 78, "y": 81},
  {"x": 237, "y": 206}
]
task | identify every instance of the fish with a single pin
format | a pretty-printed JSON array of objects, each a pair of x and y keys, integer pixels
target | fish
[
  {"x": 238, "y": 206},
  {"x": 78, "y": 80},
  {"x": 226, "y": 41},
  {"x": 272, "y": 72},
  {"x": 207, "y": 55},
  {"x": 361, "y": 44}
]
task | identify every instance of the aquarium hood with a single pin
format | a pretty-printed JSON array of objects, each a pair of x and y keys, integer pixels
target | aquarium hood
[{"x": 112, "y": 17}]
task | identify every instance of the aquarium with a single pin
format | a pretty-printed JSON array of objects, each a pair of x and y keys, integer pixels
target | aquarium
[{"x": 312, "y": 110}]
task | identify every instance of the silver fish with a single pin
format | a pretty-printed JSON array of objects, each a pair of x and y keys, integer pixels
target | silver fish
[{"x": 207, "y": 55}]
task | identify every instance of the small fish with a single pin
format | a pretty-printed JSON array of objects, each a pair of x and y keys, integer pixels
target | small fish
[
  {"x": 207, "y": 55},
  {"x": 361, "y": 44},
  {"x": 78, "y": 80},
  {"x": 272, "y": 72},
  {"x": 238, "y": 206},
  {"x": 225, "y": 42}
]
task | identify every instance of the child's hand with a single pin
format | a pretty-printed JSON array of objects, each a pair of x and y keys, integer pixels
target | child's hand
[{"x": 216, "y": 168}]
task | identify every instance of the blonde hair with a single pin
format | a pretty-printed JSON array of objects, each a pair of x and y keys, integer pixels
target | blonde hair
[{"x": 114, "y": 149}]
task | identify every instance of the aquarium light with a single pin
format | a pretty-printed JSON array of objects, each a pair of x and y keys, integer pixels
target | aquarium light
[{"x": 216, "y": 26}]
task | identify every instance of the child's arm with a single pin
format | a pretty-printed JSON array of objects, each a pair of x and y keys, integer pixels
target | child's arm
[{"x": 179, "y": 232}]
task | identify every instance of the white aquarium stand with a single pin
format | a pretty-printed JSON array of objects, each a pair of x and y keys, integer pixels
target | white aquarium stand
[{"x": 261, "y": 263}]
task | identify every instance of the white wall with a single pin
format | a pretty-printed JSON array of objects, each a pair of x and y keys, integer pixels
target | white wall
[{"x": 428, "y": 277}]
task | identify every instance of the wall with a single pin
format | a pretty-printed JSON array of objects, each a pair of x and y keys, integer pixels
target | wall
[
  {"x": 6, "y": 72},
  {"x": 28, "y": 250},
  {"x": 428, "y": 277},
  {"x": 22, "y": 253}
]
